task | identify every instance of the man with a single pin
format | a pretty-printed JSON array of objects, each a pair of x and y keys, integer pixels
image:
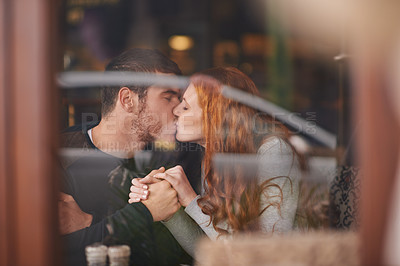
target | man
[{"x": 94, "y": 207}]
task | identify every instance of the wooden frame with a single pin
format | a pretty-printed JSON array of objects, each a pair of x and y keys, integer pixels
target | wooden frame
[
  {"x": 28, "y": 138},
  {"x": 28, "y": 133},
  {"x": 378, "y": 144}
]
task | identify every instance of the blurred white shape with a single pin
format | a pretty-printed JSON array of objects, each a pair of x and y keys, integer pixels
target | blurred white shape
[
  {"x": 321, "y": 169},
  {"x": 324, "y": 19},
  {"x": 95, "y": 79},
  {"x": 232, "y": 163},
  {"x": 97, "y": 161},
  {"x": 299, "y": 144},
  {"x": 281, "y": 114},
  {"x": 77, "y": 79}
]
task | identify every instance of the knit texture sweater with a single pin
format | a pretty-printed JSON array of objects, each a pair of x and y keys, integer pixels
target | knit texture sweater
[{"x": 275, "y": 158}]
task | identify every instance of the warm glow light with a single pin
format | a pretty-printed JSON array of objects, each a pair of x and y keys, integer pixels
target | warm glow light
[{"x": 180, "y": 42}]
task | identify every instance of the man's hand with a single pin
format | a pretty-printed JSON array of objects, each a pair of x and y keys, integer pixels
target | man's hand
[
  {"x": 139, "y": 188},
  {"x": 163, "y": 202},
  {"x": 71, "y": 217},
  {"x": 175, "y": 176},
  {"x": 178, "y": 180}
]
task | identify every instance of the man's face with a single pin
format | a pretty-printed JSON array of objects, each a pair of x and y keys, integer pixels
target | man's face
[{"x": 155, "y": 120}]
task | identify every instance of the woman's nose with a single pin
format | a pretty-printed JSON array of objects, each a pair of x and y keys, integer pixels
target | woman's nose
[{"x": 177, "y": 110}]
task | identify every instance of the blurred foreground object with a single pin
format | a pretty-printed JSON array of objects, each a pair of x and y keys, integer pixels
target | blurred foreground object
[
  {"x": 96, "y": 255},
  {"x": 313, "y": 248},
  {"x": 344, "y": 198},
  {"x": 119, "y": 255},
  {"x": 370, "y": 28},
  {"x": 392, "y": 235}
]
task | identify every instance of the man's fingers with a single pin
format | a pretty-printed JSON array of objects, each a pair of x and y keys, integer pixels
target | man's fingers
[
  {"x": 170, "y": 194},
  {"x": 161, "y": 187},
  {"x": 163, "y": 201}
]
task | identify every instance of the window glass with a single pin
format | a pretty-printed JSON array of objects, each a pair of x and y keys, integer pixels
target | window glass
[{"x": 278, "y": 159}]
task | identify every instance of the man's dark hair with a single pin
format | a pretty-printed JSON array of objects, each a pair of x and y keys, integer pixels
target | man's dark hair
[{"x": 135, "y": 60}]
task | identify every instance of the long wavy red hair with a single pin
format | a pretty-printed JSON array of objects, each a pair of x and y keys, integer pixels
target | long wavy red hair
[{"x": 228, "y": 127}]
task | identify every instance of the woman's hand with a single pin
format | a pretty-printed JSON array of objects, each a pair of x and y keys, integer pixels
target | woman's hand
[
  {"x": 178, "y": 180},
  {"x": 139, "y": 188}
]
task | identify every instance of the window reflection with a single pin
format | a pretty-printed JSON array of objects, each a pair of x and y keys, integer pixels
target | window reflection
[{"x": 301, "y": 88}]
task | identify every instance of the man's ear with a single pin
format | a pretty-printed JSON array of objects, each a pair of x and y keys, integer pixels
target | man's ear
[{"x": 128, "y": 99}]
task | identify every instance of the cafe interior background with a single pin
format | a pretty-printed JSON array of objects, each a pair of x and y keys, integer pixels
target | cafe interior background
[
  {"x": 302, "y": 58},
  {"x": 307, "y": 77}
]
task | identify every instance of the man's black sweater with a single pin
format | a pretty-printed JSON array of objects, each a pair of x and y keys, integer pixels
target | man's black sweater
[{"x": 100, "y": 186}]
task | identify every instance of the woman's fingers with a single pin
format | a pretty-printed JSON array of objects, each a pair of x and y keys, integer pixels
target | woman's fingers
[
  {"x": 177, "y": 172},
  {"x": 139, "y": 191},
  {"x": 160, "y": 175},
  {"x": 177, "y": 178},
  {"x": 136, "y": 182},
  {"x": 133, "y": 200},
  {"x": 163, "y": 176},
  {"x": 176, "y": 169},
  {"x": 170, "y": 178},
  {"x": 137, "y": 194},
  {"x": 156, "y": 171}
]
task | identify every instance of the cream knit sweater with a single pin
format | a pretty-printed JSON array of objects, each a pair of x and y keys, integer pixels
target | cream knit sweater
[{"x": 275, "y": 159}]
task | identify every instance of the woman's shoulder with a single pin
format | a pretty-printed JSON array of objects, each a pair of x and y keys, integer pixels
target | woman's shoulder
[
  {"x": 278, "y": 158},
  {"x": 275, "y": 144}
]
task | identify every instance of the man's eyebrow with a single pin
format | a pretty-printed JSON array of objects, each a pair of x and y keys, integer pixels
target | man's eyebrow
[{"x": 171, "y": 92}]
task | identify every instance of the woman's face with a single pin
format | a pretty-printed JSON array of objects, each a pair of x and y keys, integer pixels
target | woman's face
[{"x": 189, "y": 113}]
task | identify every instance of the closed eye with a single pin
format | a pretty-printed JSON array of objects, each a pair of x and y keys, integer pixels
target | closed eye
[
  {"x": 170, "y": 95},
  {"x": 185, "y": 106}
]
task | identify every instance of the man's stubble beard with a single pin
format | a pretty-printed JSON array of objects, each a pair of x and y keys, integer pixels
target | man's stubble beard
[{"x": 145, "y": 125}]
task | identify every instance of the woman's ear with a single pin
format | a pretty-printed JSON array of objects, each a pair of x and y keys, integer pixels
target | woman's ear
[{"x": 128, "y": 99}]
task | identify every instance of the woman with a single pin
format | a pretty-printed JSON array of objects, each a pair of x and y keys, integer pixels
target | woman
[{"x": 235, "y": 199}]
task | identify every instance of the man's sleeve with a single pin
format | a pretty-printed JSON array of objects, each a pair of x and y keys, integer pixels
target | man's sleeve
[{"x": 132, "y": 225}]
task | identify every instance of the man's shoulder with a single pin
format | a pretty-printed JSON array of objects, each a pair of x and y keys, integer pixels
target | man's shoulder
[
  {"x": 73, "y": 139},
  {"x": 77, "y": 136}
]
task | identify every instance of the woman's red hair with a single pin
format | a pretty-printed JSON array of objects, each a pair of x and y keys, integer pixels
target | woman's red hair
[{"x": 228, "y": 127}]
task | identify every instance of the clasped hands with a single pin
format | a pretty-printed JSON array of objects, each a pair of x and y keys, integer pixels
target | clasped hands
[{"x": 162, "y": 191}]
